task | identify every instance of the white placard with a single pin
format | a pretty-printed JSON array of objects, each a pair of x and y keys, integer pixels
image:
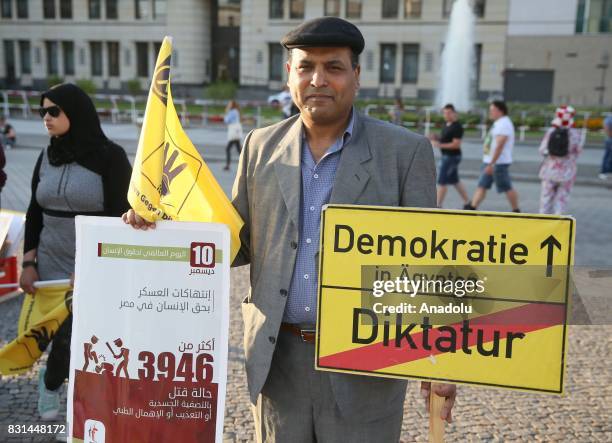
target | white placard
[{"x": 150, "y": 332}]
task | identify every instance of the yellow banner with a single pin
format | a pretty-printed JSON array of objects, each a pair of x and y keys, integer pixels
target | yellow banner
[
  {"x": 467, "y": 297},
  {"x": 41, "y": 316},
  {"x": 170, "y": 181}
]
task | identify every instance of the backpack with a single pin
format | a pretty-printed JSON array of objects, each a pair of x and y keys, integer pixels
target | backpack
[{"x": 558, "y": 143}]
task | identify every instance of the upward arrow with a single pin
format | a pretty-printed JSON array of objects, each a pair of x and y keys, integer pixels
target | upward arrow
[{"x": 551, "y": 242}]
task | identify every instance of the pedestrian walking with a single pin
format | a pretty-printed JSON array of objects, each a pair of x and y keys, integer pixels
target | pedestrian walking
[
  {"x": 397, "y": 112},
  {"x": 560, "y": 147},
  {"x": 497, "y": 158},
  {"x": 606, "y": 164},
  {"x": 8, "y": 136},
  {"x": 449, "y": 142},
  {"x": 234, "y": 131},
  {"x": 2, "y": 173},
  {"x": 80, "y": 172}
]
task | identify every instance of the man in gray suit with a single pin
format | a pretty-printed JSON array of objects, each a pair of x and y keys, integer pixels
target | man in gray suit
[{"x": 329, "y": 153}]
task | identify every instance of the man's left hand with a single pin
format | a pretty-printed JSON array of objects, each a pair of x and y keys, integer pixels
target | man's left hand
[
  {"x": 488, "y": 169},
  {"x": 443, "y": 390}
]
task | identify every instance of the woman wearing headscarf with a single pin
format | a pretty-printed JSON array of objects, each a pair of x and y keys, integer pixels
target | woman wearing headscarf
[
  {"x": 80, "y": 172},
  {"x": 560, "y": 147}
]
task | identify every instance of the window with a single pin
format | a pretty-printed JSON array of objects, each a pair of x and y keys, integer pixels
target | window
[
  {"x": 112, "y": 13},
  {"x": 95, "y": 9},
  {"x": 6, "y": 7},
  {"x": 112, "y": 49},
  {"x": 51, "y": 48},
  {"x": 412, "y": 8},
  {"x": 68, "y": 54},
  {"x": 95, "y": 52},
  {"x": 479, "y": 8},
  {"x": 65, "y": 8},
  {"x": 159, "y": 9},
  {"x": 580, "y": 16},
  {"x": 332, "y": 8},
  {"x": 275, "y": 61},
  {"x": 387, "y": 63},
  {"x": 353, "y": 8},
  {"x": 410, "y": 63},
  {"x": 156, "y": 48},
  {"x": 141, "y": 9},
  {"x": 390, "y": 8},
  {"x": 296, "y": 8},
  {"x": 9, "y": 61},
  {"x": 276, "y": 9},
  {"x": 475, "y": 80},
  {"x": 49, "y": 8},
  {"x": 25, "y": 57},
  {"x": 22, "y": 9},
  {"x": 477, "y": 5},
  {"x": 594, "y": 16},
  {"x": 447, "y": 7},
  {"x": 142, "y": 59}
]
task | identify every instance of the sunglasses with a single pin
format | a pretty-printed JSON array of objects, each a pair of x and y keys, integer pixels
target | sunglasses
[{"x": 54, "y": 111}]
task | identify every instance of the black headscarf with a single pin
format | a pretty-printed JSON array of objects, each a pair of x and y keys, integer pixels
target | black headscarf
[{"x": 85, "y": 142}]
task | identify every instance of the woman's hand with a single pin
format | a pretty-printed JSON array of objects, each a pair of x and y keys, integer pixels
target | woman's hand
[
  {"x": 29, "y": 276},
  {"x": 136, "y": 221}
]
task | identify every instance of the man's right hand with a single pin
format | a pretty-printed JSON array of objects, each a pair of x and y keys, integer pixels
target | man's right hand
[
  {"x": 136, "y": 221},
  {"x": 29, "y": 276}
]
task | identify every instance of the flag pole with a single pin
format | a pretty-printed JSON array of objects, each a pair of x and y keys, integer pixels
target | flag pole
[
  {"x": 436, "y": 424},
  {"x": 38, "y": 284}
]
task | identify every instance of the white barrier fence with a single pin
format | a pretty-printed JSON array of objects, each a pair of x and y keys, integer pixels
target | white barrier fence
[
  {"x": 125, "y": 108},
  {"x": 428, "y": 124}
]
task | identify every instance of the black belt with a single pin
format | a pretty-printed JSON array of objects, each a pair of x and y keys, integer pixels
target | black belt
[
  {"x": 68, "y": 214},
  {"x": 306, "y": 334}
]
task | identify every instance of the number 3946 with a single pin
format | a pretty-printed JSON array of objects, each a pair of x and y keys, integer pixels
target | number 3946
[{"x": 164, "y": 367}]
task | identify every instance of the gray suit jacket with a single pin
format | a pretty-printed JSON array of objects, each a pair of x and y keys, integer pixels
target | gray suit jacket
[{"x": 382, "y": 164}]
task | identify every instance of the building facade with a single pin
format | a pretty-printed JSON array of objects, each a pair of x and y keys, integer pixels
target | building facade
[
  {"x": 111, "y": 42},
  {"x": 404, "y": 41},
  {"x": 558, "y": 51},
  {"x": 535, "y": 51}
]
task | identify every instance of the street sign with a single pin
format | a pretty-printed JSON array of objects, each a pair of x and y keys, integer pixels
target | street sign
[{"x": 465, "y": 297}]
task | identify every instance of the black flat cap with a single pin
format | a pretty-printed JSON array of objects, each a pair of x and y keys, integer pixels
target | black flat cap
[{"x": 325, "y": 31}]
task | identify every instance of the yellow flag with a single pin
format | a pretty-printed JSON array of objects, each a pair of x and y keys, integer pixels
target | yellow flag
[
  {"x": 170, "y": 181},
  {"x": 40, "y": 318}
]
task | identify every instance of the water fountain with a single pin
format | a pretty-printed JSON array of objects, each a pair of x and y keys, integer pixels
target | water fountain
[{"x": 457, "y": 58}]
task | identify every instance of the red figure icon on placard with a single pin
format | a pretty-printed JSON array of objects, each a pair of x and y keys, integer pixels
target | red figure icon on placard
[
  {"x": 124, "y": 354},
  {"x": 89, "y": 353}
]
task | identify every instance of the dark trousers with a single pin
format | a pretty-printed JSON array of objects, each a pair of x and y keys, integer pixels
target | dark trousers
[
  {"x": 606, "y": 164},
  {"x": 228, "y": 151},
  {"x": 58, "y": 363},
  {"x": 297, "y": 403}
]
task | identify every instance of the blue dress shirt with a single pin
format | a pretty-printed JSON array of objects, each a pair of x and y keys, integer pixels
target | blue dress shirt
[{"x": 317, "y": 184}]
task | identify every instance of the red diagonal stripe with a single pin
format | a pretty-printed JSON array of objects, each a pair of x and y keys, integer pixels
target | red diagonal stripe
[{"x": 525, "y": 318}]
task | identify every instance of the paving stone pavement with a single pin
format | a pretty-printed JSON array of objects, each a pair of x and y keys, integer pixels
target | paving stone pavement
[{"x": 583, "y": 415}]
